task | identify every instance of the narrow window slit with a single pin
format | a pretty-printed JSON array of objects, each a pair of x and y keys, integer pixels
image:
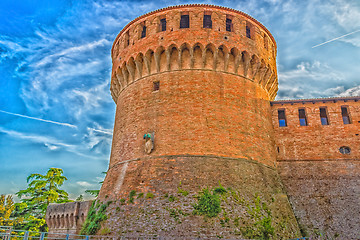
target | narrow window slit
[
  {"x": 207, "y": 23},
  {"x": 143, "y": 32},
  {"x": 323, "y": 116},
  {"x": 302, "y": 117},
  {"x": 184, "y": 21},
  {"x": 281, "y": 117},
  {"x": 163, "y": 24},
  {"x": 156, "y": 86},
  {"x": 228, "y": 24},
  {"x": 345, "y": 115}
]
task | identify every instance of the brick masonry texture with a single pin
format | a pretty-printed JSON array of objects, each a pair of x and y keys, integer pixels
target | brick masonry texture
[
  {"x": 66, "y": 218},
  {"x": 316, "y": 141},
  {"x": 325, "y": 195},
  {"x": 159, "y": 175},
  {"x": 322, "y": 183},
  {"x": 210, "y": 118}
]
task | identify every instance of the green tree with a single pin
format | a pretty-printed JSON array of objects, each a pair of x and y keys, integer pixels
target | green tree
[
  {"x": 6, "y": 208},
  {"x": 42, "y": 190}
]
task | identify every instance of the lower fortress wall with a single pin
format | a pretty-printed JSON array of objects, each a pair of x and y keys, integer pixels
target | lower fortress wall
[
  {"x": 66, "y": 218},
  {"x": 325, "y": 195},
  {"x": 169, "y": 213}
]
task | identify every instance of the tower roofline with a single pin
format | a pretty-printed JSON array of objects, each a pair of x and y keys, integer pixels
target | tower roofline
[
  {"x": 196, "y": 5},
  {"x": 313, "y": 100}
]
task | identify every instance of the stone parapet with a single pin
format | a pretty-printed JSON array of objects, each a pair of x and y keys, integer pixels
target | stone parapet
[{"x": 67, "y": 217}]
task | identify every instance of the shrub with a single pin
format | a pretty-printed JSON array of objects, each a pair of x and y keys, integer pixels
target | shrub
[
  {"x": 208, "y": 204},
  {"x": 94, "y": 218},
  {"x": 131, "y": 196},
  {"x": 149, "y": 195}
]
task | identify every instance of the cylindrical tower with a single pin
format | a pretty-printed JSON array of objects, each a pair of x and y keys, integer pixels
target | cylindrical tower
[{"x": 192, "y": 85}]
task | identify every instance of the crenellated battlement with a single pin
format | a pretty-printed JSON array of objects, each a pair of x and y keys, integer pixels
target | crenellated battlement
[
  {"x": 67, "y": 217},
  {"x": 210, "y": 38}
]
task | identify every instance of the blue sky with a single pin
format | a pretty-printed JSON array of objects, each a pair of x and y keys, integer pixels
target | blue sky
[{"x": 55, "y": 66}]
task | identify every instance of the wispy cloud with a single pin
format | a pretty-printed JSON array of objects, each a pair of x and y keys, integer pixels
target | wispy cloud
[
  {"x": 101, "y": 131},
  {"x": 47, "y": 141},
  {"x": 40, "y": 119}
]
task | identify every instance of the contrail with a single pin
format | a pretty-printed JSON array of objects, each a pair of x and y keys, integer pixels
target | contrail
[
  {"x": 101, "y": 131},
  {"x": 336, "y": 38},
  {"x": 39, "y": 119}
]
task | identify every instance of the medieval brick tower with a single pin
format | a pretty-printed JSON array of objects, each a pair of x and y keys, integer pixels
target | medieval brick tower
[{"x": 192, "y": 85}]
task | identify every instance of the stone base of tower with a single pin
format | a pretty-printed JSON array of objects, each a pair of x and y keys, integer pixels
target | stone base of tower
[
  {"x": 162, "y": 207},
  {"x": 325, "y": 196}
]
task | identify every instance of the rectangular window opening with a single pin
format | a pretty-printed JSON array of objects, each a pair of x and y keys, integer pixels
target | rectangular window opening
[
  {"x": 265, "y": 42},
  {"x": 127, "y": 39},
  {"x": 345, "y": 115},
  {"x": 323, "y": 116},
  {"x": 281, "y": 117},
  {"x": 163, "y": 24},
  {"x": 156, "y": 86},
  {"x": 248, "y": 30},
  {"x": 229, "y": 24},
  {"x": 184, "y": 21},
  {"x": 302, "y": 117},
  {"x": 207, "y": 23},
  {"x": 143, "y": 32}
]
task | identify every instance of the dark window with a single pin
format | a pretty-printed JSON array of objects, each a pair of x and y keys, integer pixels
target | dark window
[
  {"x": 229, "y": 25},
  {"x": 163, "y": 24},
  {"x": 143, "y": 32},
  {"x": 345, "y": 115},
  {"x": 184, "y": 21},
  {"x": 207, "y": 23},
  {"x": 344, "y": 150},
  {"x": 248, "y": 31},
  {"x": 323, "y": 116},
  {"x": 156, "y": 86},
  {"x": 302, "y": 117},
  {"x": 265, "y": 42},
  {"x": 281, "y": 117},
  {"x": 127, "y": 39}
]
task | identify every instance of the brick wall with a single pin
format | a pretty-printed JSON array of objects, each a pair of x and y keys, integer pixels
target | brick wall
[
  {"x": 321, "y": 182},
  {"x": 316, "y": 141}
]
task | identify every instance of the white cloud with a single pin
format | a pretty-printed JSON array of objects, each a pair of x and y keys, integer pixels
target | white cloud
[
  {"x": 355, "y": 91},
  {"x": 51, "y": 147},
  {"x": 309, "y": 80},
  {"x": 84, "y": 184}
]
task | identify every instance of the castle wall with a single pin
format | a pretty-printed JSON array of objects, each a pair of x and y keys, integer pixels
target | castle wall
[
  {"x": 66, "y": 217},
  {"x": 322, "y": 183},
  {"x": 316, "y": 141}
]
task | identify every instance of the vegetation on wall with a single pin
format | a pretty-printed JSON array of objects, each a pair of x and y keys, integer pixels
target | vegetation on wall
[
  {"x": 96, "y": 215},
  {"x": 208, "y": 203}
]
